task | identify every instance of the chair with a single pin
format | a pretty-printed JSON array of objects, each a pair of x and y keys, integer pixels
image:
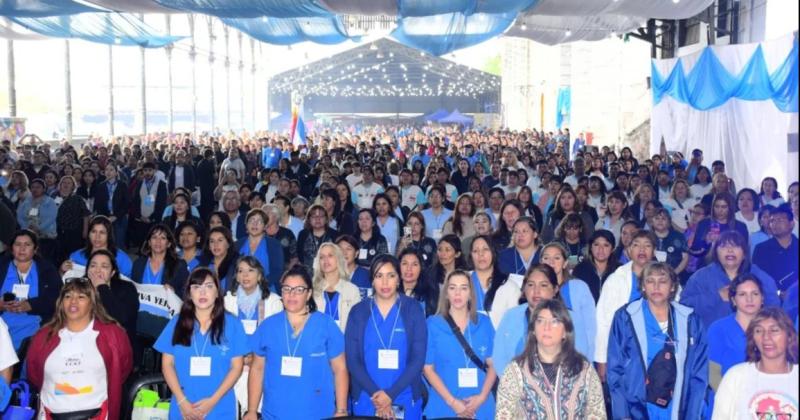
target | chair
[{"x": 136, "y": 383}]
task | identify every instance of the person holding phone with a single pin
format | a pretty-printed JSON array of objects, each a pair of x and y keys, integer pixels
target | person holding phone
[
  {"x": 414, "y": 238},
  {"x": 722, "y": 218}
]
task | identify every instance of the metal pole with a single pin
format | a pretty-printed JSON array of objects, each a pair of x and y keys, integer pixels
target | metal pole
[
  {"x": 168, "y": 50},
  {"x": 211, "y": 67},
  {"x": 192, "y": 57},
  {"x": 12, "y": 81},
  {"x": 241, "y": 83},
  {"x": 68, "y": 90},
  {"x": 111, "y": 89},
  {"x": 226, "y": 34},
  {"x": 143, "y": 110},
  {"x": 253, "y": 82}
]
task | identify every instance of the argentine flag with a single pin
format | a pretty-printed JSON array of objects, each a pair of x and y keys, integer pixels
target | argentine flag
[{"x": 299, "y": 132}]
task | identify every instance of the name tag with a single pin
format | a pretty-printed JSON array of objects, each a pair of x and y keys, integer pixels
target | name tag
[
  {"x": 291, "y": 366},
  {"x": 661, "y": 256},
  {"x": 200, "y": 366},
  {"x": 468, "y": 378},
  {"x": 33, "y": 212},
  {"x": 437, "y": 234},
  {"x": 362, "y": 254},
  {"x": 249, "y": 326},
  {"x": 150, "y": 199},
  {"x": 388, "y": 359},
  {"x": 21, "y": 290}
]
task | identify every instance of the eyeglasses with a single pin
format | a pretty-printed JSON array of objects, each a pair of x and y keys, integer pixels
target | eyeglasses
[
  {"x": 77, "y": 280},
  {"x": 553, "y": 322},
  {"x": 297, "y": 290}
]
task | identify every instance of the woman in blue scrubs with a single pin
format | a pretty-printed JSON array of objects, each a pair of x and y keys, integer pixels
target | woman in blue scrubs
[
  {"x": 298, "y": 361},
  {"x": 487, "y": 278},
  {"x": 220, "y": 254},
  {"x": 359, "y": 275},
  {"x": 202, "y": 351},
  {"x": 101, "y": 236},
  {"x": 34, "y": 283},
  {"x": 576, "y": 297},
  {"x": 461, "y": 388},
  {"x": 385, "y": 345},
  {"x": 525, "y": 252},
  {"x": 415, "y": 284},
  {"x": 266, "y": 250},
  {"x": 190, "y": 238},
  {"x": 159, "y": 263}
]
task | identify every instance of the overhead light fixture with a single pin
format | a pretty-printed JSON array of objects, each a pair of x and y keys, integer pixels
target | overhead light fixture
[
  {"x": 373, "y": 47},
  {"x": 568, "y": 33},
  {"x": 524, "y": 27}
]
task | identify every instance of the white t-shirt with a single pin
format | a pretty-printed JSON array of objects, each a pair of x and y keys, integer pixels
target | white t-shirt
[
  {"x": 747, "y": 393},
  {"x": 75, "y": 373},
  {"x": 353, "y": 180},
  {"x": 363, "y": 194},
  {"x": 8, "y": 357},
  {"x": 411, "y": 195},
  {"x": 752, "y": 225}
]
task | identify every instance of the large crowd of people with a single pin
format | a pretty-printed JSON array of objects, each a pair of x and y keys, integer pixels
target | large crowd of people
[{"x": 397, "y": 272}]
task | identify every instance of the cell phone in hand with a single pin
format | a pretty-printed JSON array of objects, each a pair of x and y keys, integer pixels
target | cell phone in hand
[
  {"x": 9, "y": 297},
  {"x": 407, "y": 231}
]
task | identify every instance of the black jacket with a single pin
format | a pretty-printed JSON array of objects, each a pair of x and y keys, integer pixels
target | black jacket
[
  {"x": 188, "y": 177},
  {"x": 50, "y": 284},
  {"x": 206, "y": 181},
  {"x": 120, "y": 202},
  {"x": 121, "y": 301},
  {"x": 176, "y": 277},
  {"x": 161, "y": 201}
]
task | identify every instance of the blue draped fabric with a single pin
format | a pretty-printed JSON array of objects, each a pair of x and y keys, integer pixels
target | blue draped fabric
[
  {"x": 42, "y": 8},
  {"x": 444, "y": 33},
  {"x": 709, "y": 84},
  {"x": 419, "y": 8},
  {"x": 250, "y": 8},
  {"x": 104, "y": 28},
  {"x": 287, "y": 31},
  {"x": 563, "y": 105}
]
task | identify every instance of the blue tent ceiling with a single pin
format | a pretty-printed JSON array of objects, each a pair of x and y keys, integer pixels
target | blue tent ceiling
[{"x": 437, "y": 27}]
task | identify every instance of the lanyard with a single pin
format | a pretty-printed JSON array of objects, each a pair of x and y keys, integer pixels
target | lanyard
[
  {"x": 375, "y": 324},
  {"x": 20, "y": 280},
  {"x": 330, "y": 309},
  {"x": 525, "y": 264},
  {"x": 148, "y": 185},
  {"x": 194, "y": 343},
  {"x": 300, "y": 337}
]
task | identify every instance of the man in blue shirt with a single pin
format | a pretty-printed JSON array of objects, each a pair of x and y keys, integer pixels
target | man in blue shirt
[
  {"x": 421, "y": 155},
  {"x": 778, "y": 255},
  {"x": 271, "y": 155}
]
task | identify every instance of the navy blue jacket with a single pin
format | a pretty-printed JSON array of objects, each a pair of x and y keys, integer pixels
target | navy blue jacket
[
  {"x": 49, "y": 287},
  {"x": 417, "y": 332},
  {"x": 276, "y": 262}
]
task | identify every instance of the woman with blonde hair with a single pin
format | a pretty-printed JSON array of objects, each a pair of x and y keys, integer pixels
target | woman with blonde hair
[{"x": 333, "y": 292}]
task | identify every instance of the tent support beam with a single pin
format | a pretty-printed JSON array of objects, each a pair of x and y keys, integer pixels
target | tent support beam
[
  {"x": 111, "y": 90},
  {"x": 12, "y": 79},
  {"x": 68, "y": 89},
  {"x": 211, "y": 67},
  {"x": 168, "y": 50},
  {"x": 193, "y": 58}
]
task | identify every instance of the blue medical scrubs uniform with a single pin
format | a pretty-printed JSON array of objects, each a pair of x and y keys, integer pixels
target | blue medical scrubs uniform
[
  {"x": 21, "y": 325},
  {"x": 656, "y": 339},
  {"x": 191, "y": 265},
  {"x": 360, "y": 278},
  {"x": 480, "y": 294},
  {"x": 510, "y": 262},
  {"x": 312, "y": 394},
  {"x": 447, "y": 357},
  {"x": 233, "y": 344},
  {"x": 123, "y": 261},
  {"x": 386, "y": 334},
  {"x": 149, "y": 277}
]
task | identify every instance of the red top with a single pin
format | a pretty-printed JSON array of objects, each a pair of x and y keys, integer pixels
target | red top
[{"x": 114, "y": 346}]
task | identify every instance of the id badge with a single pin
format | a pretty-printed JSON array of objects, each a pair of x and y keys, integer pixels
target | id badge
[
  {"x": 33, "y": 212},
  {"x": 437, "y": 234},
  {"x": 249, "y": 325},
  {"x": 291, "y": 366},
  {"x": 150, "y": 199},
  {"x": 467, "y": 378},
  {"x": 200, "y": 366},
  {"x": 362, "y": 254},
  {"x": 661, "y": 256},
  {"x": 388, "y": 359},
  {"x": 21, "y": 291}
]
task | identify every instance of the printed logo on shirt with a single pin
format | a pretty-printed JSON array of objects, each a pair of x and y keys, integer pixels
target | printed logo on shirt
[
  {"x": 67, "y": 389},
  {"x": 482, "y": 350},
  {"x": 773, "y": 405},
  {"x": 319, "y": 354},
  {"x": 223, "y": 349},
  {"x": 399, "y": 330}
]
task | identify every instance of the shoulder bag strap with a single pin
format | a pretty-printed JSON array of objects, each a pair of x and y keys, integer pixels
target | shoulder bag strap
[{"x": 461, "y": 340}]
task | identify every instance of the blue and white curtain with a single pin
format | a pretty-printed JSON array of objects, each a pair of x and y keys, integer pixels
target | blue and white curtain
[{"x": 737, "y": 103}]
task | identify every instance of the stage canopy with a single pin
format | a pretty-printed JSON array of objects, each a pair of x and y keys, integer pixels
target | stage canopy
[{"x": 437, "y": 27}]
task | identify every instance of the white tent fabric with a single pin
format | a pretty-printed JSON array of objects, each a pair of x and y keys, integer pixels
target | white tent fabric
[
  {"x": 10, "y": 30},
  {"x": 751, "y": 137},
  {"x": 659, "y": 9},
  {"x": 552, "y": 30},
  {"x": 132, "y": 6},
  {"x": 362, "y": 7}
]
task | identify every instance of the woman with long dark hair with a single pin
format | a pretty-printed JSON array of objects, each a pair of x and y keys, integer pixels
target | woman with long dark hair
[
  {"x": 487, "y": 278},
  {"x": 202, "y": 351},
  {"x": 220, "y": 255},
  {"x": 101, "y": 236},
  {"x": 190, "y": 240},
  {"x": 340, "y": 220},
  {"x": 448, "y": 259},
  {"x": 414, "y": 283},
  {"x": 267, "y": 250},
  {"x": 550, "y": 379},
  {"x": 414, "y": 238},
  {"x": 460, "y": 221},
  {"x": 370, "y": 241},
  {"x": 159, "y": 263},
  {"x": 119, "y": 297},
  {"x": 599, "y": 262},
  {"x": 525, "y": 251},
  {"x": 510, "y": 211}
]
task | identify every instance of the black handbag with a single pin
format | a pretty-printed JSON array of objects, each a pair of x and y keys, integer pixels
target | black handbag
[
  {"x": 76, "y": 415},
  {"x": 468, "y": 350},
  {"x": 663, "y": 371}
]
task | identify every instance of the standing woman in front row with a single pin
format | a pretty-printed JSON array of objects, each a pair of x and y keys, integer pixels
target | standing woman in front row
[
  {"x": 550, "y": 370},
  {"x": 202, "y": 350},
  {"x": 458, "y": 364},
  {"x": 657, "y": 353},
  {"x": 298, "y": 361},
  {"x": 385, "y": 343}
]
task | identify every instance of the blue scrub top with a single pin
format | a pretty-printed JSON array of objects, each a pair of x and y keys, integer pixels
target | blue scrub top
[
  {"x": 656, "y": 339},
  {"x": 727, "y": 342},
  {"x": 21, "y": 325},
  {"x": 360, "y": 278},
  {"x": 480, "y": 294},
  {"x": 312, "y": 394},
  {"x": 384, "y": 333},
  {"x": 123, "y": 261},
  {"x": 447, "y": 357},
  {"x": 510, "y": 262},
  {"x": 233, "y": 344},
  {"x": 149, "y": 277}
]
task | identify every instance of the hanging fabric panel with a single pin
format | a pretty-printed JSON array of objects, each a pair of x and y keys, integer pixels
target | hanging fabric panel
[
  {"x": 709, "y": 84},
  {"x": 289, "y": 31},
  {"x": 442, "y": 34},
  {"x": 563, "y": 105},
  {"x": 104, "y": 28},
  {"x": 250, "y": 8},
  {"x": 42, "y": 8}
]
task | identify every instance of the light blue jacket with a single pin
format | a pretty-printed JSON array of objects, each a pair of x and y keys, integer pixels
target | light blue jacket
[{"x": 47, "y": 216}]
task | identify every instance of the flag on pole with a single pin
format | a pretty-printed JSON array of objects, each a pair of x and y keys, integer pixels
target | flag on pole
[{"x": 299, "y": 133}]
